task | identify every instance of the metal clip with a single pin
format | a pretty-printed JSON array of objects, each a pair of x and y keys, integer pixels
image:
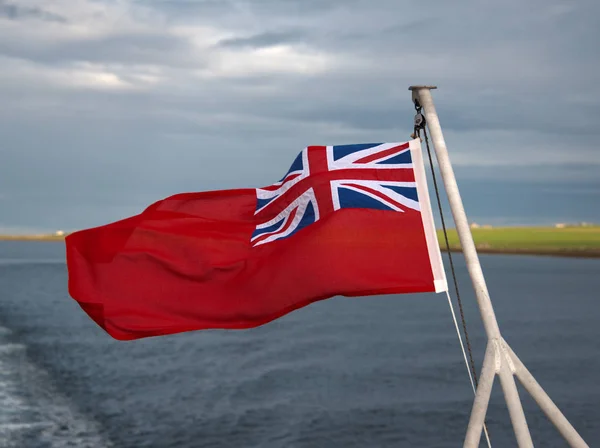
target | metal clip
[{"x": 419, "y": 121}]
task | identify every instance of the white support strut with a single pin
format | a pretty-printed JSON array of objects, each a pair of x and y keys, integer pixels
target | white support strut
[{"x": 499, "y": 358}]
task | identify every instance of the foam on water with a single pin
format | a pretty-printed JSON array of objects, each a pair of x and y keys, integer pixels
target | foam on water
[
  {"x": 10, "y": 347},
  {"x": 32, "y": 412}
]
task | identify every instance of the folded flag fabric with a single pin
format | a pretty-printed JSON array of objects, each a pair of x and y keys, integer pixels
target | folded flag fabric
[{"x": 350, "y": 220}]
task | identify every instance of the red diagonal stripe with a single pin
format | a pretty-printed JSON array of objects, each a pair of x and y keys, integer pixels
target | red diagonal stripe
[
  {"x": 382, "y": 154},
  {"x": 278, "y": 204},
  {"x": 277, "y": 186},
  {"x": 379, "y": 194},
  {"x": 283, "y": 229}
]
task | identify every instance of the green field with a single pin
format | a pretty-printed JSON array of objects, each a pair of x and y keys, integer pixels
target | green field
[
  {"x": 580, "y": 241},
  {"x": 32, "y": 238},
  {"x": 574, "y": 241}
]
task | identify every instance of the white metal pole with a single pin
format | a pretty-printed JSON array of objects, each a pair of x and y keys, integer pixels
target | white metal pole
[
  {"x": 482, "y": 398},
  {"x": 423, "y": 95},
  {"x": 499, "y": 358},
  {"x": 513, "y": 403},
  {"x": 546, "y": 404}
]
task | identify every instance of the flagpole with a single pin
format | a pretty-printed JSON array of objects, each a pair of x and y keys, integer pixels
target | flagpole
[
  {"x": 423, "y": 95},
  {"x": 499, "y": 358}
]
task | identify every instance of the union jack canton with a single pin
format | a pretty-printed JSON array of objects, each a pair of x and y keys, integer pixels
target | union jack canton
[{"x": 325, "y": 179}]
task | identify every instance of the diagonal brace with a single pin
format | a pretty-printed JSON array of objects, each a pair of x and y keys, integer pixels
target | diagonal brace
[
  {"x": 501, "y": 360},
  {"x": 545, "y": 403}
]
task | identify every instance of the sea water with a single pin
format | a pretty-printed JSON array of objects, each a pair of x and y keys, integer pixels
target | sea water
[{"x": 382, "y": 371}]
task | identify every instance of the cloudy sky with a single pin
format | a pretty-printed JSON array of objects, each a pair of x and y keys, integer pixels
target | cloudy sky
[{"x": 109, "y": 105}]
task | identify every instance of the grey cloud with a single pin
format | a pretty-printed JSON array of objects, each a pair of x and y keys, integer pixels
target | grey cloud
[
  {"x": 323, "y": 38},
  {"x": 361, "y": 102},
  {"x": 186, "y": 9},
  {"x": 267, "y": 39},
  {"x": 183, "y": 8},
  {"x": 16, "y": 12},
  {"x": 524, "y": 196},
  {"x": 128, "y": 48},
  {"x": 552, "y": 115},
  {"x": 301, "y": 7}
]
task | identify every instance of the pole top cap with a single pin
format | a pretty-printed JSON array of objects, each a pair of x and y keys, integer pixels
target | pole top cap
[{"x": 422, "y": 87}]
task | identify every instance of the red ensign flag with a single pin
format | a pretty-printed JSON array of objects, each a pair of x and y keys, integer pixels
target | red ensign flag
[{"x": 349, "y": 220}]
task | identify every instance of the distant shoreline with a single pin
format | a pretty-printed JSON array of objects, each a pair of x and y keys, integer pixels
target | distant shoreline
[
  {"x": 583, "y": 253},
  {"x": 32, "y": 238},
  {"x": 569, "y": 241},
  {"x": 565, "y": 241}
]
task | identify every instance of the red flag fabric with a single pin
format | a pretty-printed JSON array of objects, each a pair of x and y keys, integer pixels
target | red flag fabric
[{"x": 350, "y": 220}]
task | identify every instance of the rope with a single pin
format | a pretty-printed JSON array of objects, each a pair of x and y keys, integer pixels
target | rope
[
  {"x": 485, "y": 430},
  {"x": 461, "y": 342},
  {"x": 420, "y": 124},
  {"x": 460, "y": 307}
]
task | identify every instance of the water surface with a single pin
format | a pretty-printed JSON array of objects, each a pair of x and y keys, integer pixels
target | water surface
[{"x": 380, "y": 371}]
